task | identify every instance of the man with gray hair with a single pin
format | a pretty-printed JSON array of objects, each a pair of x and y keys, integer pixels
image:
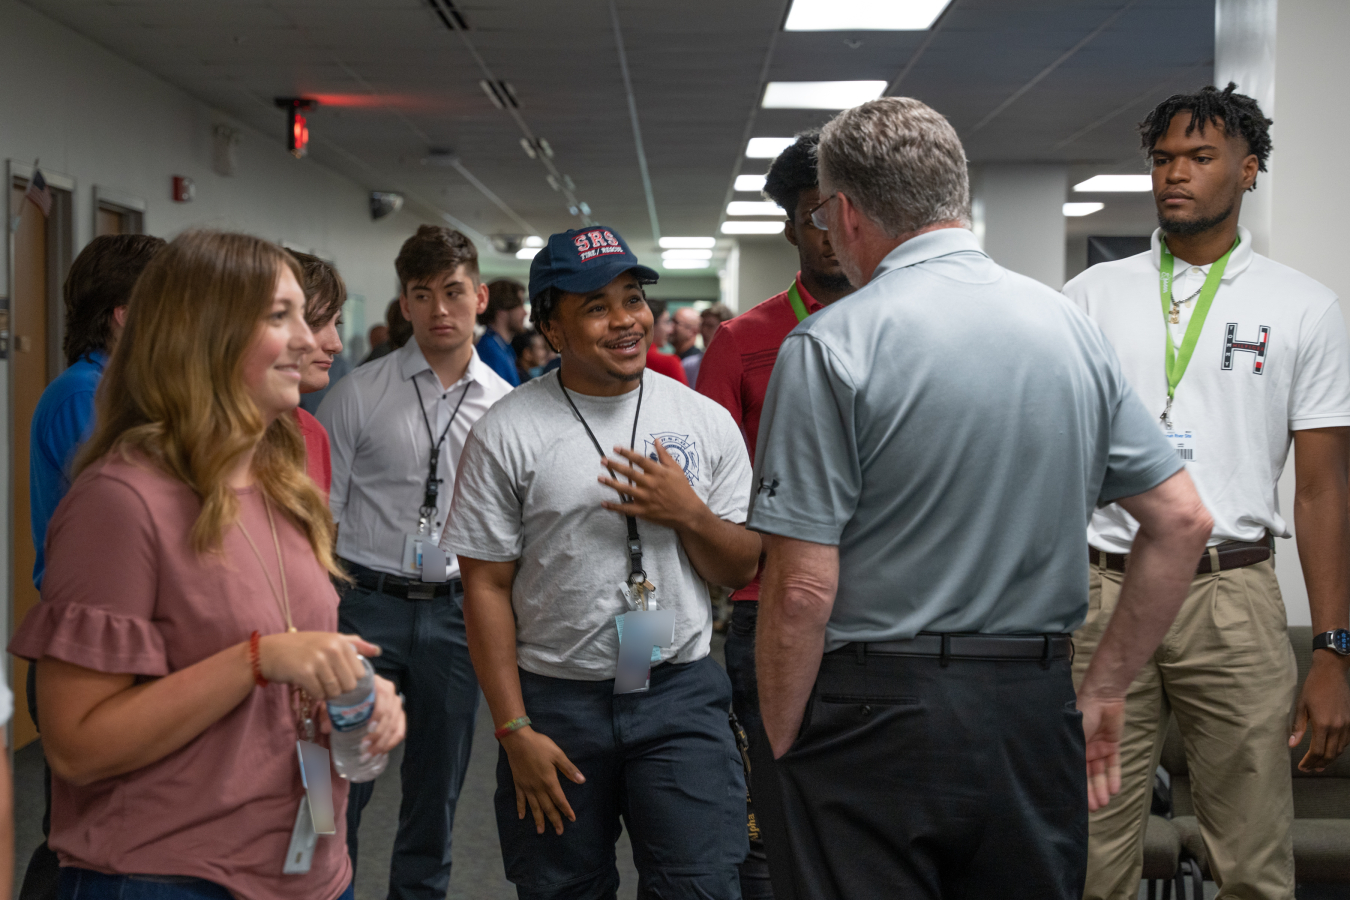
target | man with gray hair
[{"x": 931, "y": 449}]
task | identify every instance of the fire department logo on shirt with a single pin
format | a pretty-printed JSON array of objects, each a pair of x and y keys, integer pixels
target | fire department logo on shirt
[
  {"x": 596, "y": 243},
  {"x": 680, "y": 447}
]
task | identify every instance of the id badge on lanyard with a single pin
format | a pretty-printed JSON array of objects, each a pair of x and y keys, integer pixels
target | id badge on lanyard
[{"x": 315, "y": 814}]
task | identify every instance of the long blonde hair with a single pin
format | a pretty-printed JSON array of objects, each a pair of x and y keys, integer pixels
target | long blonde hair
[{"x": 174, "y": 389}]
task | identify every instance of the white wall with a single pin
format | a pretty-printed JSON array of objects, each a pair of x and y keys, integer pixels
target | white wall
[
  {"x": 1309, "y": 199},
  {"x": 99, "y": 119},
  {"x": 1019, "y": 218},
  {"x": 767, "y": 266}
]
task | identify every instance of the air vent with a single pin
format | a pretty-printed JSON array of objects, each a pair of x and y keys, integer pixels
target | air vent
[
  {"x": 451, "y": 17},
  {"x": 501, "y": 93}
]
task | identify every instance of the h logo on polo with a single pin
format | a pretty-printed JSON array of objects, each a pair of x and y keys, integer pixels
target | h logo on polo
[{"x": 1258, "y": 347}]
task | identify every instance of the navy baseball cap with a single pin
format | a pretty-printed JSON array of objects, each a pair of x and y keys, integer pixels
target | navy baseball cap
[{"x": 584, "y": 259}]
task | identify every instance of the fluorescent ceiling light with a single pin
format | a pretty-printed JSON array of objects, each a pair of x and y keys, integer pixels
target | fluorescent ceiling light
[
  {"x": 1083, "y": 209},
  {"x": 753, "y": 208},
  {"x": 686, "y": 254},
  {"x": 863, "y": 15},
  {"x": 820, "y": 94},
  {"x": 750, "y": 183},
  {"x": 752, "y": 227},
  {"x": 767, "y": 148},
  {"x": 673, "y": 243},
  {"x": 1113, "y": 184},
  {"x": 685, "y": 264},
  {"x": 533, "y": 241},
  {"x": 527, "y": 252}
]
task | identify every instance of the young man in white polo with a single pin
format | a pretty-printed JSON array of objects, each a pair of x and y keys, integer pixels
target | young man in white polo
[
  {"x": 592, "y": 508},
  {"x": 397, "y": 427},
  {"x": 1237, "y": 354}
]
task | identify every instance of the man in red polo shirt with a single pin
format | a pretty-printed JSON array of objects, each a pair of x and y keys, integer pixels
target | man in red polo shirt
[{"x": 735, "y": 372}]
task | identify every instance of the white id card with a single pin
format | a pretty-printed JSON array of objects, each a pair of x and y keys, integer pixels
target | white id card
[
  {"x": 423, "y": 557},
  {"x": 315, "y": 770},
  {"x": 300, "y": 854},
  {"x": 1183, "y": 441}
]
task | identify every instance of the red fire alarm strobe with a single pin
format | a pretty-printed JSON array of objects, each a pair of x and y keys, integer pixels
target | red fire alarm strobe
[
  {"x": 183, "y": 189},
  {"x": 297, "y": 132}
]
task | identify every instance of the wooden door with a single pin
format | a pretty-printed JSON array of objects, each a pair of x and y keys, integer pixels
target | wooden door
[
  {"x": 30, "y": 370},
  {"x": 108, "y": 221}
]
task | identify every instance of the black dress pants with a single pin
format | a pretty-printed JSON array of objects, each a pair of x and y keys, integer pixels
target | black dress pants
[{"x": 917, "y": 780}]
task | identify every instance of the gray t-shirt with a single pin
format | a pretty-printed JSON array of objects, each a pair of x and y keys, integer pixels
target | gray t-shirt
[
  {"x": 526, "y": 490},
  {"x": 950, "y": 427}
]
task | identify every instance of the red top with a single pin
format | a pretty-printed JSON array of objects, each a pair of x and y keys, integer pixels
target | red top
[
  {"x": 318, "y": 458},
  {"x": 125, "y": 593},
  {"x": 737, "y": 364},
  {"x": 667, "y": 365}
]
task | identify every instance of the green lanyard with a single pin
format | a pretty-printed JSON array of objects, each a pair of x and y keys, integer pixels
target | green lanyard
[
  {"x": 795, "y": 298},
  {"x": 1176, "y": 362}
]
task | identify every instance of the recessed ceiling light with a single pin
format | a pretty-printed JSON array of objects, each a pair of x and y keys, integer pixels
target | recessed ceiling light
[
  {"x": 1083, "y": 209},
  {"x": 863, "y": 15},
  {"x": 527, "y": 252},
  {"x": 685, "y": 263},
  {"x": 767, "y": 147},
  {"x": 752, "y": 227},
  {"x": 1113, "y": 184},
  {"x": 750, "y": 183},
  {"x": 686, "y": 254},
  {"x": 753, "y": 208},
  {"x": 820, "y": 94},
  {"x": 669, "y": 243},
  {"x": 533, "y": 241}
]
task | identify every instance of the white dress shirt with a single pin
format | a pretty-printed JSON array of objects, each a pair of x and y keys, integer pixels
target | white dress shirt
[{"x": 381, "y": 450}]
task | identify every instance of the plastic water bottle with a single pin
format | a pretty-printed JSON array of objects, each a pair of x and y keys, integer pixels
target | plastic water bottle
[{"x": 350, "y": 714}]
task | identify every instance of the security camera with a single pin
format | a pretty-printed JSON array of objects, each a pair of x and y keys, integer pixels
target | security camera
[{"x": 384, "y": 203}]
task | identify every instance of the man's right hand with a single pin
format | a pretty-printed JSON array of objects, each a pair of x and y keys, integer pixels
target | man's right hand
[
  {"x": 1103, "y": 724},
  {"x": 535, "y": 762}
]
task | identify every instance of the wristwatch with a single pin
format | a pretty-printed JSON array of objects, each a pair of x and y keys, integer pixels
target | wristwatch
[{"x": 1337, "y": 641}]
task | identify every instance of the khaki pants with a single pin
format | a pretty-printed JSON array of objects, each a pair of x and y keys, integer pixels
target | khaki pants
[{"x": 1226, "y": 671}]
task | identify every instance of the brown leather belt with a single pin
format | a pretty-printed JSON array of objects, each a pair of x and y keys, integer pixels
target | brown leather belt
[{"x": 1232, "y": 555}]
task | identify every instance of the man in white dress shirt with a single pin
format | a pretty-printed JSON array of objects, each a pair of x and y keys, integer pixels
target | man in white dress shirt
[
  {"x": 397, "y": 427},
  {"x": 1236, "y": 354}
]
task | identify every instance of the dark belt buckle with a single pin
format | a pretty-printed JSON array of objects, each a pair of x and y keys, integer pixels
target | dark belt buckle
[{"x": 418, "y": 590}]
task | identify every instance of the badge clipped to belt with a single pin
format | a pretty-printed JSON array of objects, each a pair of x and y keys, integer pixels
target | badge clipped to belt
[{"x": 644, "y": 629}]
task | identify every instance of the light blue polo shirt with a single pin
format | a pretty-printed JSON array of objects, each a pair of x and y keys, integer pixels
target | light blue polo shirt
[{"x": 951, "y": 427}]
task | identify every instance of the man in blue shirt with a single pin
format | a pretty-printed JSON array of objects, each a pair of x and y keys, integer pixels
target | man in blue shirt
[
  {"x": 504, "y": 318},
  {"x": 96, "y": 294}
]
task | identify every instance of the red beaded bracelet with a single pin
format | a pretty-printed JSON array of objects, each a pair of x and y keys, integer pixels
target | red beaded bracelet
[
  {"x": 514, "y": 725},
  {"x": 255, "y": 659}
]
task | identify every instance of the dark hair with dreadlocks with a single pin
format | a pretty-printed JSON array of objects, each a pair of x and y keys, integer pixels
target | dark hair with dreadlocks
[
  {"x": 1237, "y": 114},
  {"x": 792, "y": 172}
]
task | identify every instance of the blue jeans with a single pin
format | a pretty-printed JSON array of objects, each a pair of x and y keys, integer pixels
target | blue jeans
[
  {"x": 85, "y": 884},
  {"x": 664, "y": 761},
  {"x": 426, "y": 655},
  {"x": 740, "y": 655}
]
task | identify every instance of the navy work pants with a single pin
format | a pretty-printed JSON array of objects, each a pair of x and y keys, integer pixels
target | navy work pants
[
  {"x": 663, "y": 760},
  {"x": 426, "y": 655}
]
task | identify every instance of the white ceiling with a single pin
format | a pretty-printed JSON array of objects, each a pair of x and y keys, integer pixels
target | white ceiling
[{"x": 397, "y": 82}]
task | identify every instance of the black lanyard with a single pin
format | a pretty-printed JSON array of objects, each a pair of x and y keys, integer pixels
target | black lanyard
[
  {"x": 636, "y": 575},
  {"x": 433, "y": 486}
]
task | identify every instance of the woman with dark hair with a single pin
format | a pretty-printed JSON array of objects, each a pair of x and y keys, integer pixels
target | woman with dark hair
[
  {"x": 188, "y": 626},
  {"x": 325, "y": 295}
]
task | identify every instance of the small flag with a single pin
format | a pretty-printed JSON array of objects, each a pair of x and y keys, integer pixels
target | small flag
[{"x": 39, "y": 193}]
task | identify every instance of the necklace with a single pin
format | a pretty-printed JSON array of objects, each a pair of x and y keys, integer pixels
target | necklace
[
  {"x": 302, "y": 704},
  {"x": 1175, "y": 316}
]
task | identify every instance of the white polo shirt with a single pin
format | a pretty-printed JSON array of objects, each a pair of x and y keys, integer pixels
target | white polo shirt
[
  {"x": 1273, "y": 358},
  {"x": 381, "y": 450}
]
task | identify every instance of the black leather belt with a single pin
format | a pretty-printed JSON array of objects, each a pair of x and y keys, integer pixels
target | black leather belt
[
  {"x": 1232, "y": 555},
  {"x": 1039, "y": 647},
  {"x": 398, "y": 586}
]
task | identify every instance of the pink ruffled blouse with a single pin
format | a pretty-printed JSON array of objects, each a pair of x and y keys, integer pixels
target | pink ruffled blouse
[{"x": 124, "y": 592}]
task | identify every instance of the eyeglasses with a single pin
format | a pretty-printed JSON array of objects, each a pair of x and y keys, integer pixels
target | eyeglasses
[{"x": 817, "y": 217}]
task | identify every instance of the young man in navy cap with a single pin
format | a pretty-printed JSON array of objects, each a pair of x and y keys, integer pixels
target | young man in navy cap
[{"x": 593, "y": 507}]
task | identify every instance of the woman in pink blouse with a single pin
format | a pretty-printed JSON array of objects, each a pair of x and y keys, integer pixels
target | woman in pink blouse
[
  {"x": 188, "y": 624},
  {"x": 325, "y": 295}
]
